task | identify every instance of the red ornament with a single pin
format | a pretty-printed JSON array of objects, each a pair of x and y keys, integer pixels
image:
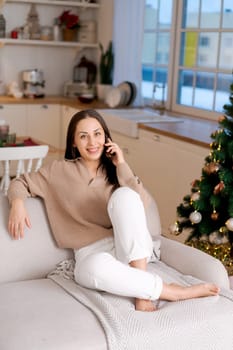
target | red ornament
[
  {"x": 195, "y": 183},
  {"x": 219, "y": 187}
]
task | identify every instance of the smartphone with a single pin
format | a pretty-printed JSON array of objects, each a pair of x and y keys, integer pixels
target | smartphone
[{"x": 108, "y": 154}]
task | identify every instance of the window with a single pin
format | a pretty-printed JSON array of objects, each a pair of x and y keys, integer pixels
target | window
[
  {"x": 204, "y": 41},
  {"x": 187, "y": 58},
  {"x": 156, "y": 46}
]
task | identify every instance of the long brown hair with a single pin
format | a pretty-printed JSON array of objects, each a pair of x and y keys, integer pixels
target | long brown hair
[{"x": 72, "y": 153}]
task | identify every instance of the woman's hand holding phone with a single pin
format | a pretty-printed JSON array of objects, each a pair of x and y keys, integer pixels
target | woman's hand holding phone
[{"x": 114, "y": 152}]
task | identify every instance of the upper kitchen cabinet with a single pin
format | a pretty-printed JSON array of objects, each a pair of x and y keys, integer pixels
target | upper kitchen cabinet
[{"x": 18, "y": 28}]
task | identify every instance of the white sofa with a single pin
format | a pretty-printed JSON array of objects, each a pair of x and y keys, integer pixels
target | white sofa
[{"x": 36, "y": 313}]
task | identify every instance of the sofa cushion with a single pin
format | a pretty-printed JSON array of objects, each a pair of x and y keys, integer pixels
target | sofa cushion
[
  {"x": 36, "y": 254},
  {"x": 40, "y": 315}
]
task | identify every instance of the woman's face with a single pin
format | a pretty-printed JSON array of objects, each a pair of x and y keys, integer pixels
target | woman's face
[{"x": 89, "y": 138}]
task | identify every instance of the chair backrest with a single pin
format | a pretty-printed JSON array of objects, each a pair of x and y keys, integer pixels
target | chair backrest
[{"x": 24, "y": 159}]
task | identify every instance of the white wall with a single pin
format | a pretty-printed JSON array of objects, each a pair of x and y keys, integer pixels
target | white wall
[{"x": 56, "y": 63}]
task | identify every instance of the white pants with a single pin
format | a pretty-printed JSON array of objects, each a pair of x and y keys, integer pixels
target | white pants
[{"x": 104, "y": 265}]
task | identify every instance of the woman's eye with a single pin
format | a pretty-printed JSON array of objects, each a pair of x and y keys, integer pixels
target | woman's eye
[{"x": 82, "y": 136}]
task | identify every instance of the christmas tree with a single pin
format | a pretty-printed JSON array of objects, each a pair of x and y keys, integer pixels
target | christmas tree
[{"x": 207, "y": 212}]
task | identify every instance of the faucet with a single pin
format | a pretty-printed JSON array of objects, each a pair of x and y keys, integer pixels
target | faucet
[{"x": 159, "y": 106}]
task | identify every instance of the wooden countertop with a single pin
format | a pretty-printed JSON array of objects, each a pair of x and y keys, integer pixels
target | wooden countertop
[
  {"x": 192, "y": 130},
  {"x": 71, "y": 102}
]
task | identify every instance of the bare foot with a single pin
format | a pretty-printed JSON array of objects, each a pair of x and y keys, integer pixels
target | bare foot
[
  {"x": 175, "y": 292},
  {"x": 144, "y": 305}
]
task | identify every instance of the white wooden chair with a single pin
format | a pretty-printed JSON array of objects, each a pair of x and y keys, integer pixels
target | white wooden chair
[{"x": 23, "y": 159}]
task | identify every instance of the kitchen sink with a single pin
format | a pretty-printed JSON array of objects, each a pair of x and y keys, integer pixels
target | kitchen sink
[{"x": 125, "y": 121}]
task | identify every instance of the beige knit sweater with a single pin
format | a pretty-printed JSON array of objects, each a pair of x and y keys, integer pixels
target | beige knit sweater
[{"x": 76, "y": 204}]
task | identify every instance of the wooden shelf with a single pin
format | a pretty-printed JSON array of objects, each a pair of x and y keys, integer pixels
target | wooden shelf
[
  {"x": 49, "y": 43},
  {"x": 55, "y": 3}
]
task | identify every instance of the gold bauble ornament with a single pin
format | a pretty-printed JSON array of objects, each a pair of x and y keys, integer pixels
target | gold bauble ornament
[
  {"x": 175, "y": 229},
  {"x": 223, "y": 230},
  {"x": 214, "y": 215}
]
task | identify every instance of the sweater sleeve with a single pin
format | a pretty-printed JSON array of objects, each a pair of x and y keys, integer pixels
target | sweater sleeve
[
  {"x": 126, "y": 177},
  {"x": 30, "y": 184}
]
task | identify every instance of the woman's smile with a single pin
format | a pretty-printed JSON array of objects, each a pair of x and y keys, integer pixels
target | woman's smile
[{"x": 93, "y": 149}]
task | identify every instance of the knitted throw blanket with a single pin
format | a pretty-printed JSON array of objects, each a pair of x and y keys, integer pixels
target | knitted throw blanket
[{"x": 195, "y": 324}]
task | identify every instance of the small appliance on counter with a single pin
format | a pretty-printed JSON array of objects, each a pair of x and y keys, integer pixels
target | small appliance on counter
[
  {"x": 84, "y": 80},
  {"x": 33, "y": 83},
  {"x": 72, "y": 89}
]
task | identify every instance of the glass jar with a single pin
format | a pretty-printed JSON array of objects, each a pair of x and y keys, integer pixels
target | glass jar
[{"x": 46, "y": 33}]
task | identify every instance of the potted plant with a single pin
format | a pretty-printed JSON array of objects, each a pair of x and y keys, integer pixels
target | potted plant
[
  {"x": 105, "y": 70},
  {"x": 69, "y": 23}
]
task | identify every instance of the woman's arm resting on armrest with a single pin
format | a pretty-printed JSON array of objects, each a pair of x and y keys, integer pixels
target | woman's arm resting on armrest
[{"x": 191, "y": 261}]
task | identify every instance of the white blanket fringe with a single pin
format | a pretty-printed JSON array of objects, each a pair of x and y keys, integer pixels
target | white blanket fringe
[{"x": 64, "y": 269}]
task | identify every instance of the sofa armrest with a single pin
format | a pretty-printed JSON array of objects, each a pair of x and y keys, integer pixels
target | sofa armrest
[
  {"x": 36, "y": 254},
  {"x": 191, "y": 261}
]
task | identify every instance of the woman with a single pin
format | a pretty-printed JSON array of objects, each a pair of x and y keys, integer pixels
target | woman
[{"x": 95, "y": 206}]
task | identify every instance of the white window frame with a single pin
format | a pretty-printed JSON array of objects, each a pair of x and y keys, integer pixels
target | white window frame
[{"x": 174, "y": 66}]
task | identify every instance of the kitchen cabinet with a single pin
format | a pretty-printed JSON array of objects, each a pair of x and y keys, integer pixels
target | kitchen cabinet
[
  {"x": 130, "y": 147},
  {"x": 16, "y": 116},
  {"x": 167, "y": 167},
  {"x": 44, "y": 123},
  {"x": 66, "y": 115}
]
